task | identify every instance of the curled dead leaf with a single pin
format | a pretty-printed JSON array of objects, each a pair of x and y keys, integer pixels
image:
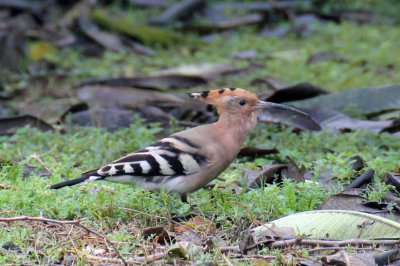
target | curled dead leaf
[{"x": 9, "y": 125}]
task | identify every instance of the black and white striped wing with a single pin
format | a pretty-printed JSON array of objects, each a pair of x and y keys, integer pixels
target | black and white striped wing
[{"x": 172, "y": 156}]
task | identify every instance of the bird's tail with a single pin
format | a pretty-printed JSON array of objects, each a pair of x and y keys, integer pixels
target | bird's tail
[{"x": 78, "y": 180}]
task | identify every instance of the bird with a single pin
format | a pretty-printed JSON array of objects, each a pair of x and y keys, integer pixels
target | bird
[{"x": 190, "y": 159}]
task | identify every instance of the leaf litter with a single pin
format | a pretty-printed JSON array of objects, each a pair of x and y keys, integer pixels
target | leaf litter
[{"x": 119, "y": 99}]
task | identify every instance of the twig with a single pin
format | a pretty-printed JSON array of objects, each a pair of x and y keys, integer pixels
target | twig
[
  {"x": 289, "y": 246},
  {"x": 37, "y": 158},
  {"x": 116, "y": 242},
  {"x": 227, "y": 261},
  {"x": 37, "y": 219},
  {"x": 62, "y": 222},
  {"x": 331, "y": 243},
  {"x": 229, "y": 249},
  {"x": 135, "y": 260},
  {"x": 265, "y": 257},
  {"x": 344, "y": 248}
]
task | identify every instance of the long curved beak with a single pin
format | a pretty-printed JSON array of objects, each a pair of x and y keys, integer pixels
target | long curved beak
[
  {"x": 287, "y": 115},
  {"x": 277, "y": 106}
]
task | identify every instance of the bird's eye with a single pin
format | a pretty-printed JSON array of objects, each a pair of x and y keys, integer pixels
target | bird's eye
[{"x": 242, "y": 102}]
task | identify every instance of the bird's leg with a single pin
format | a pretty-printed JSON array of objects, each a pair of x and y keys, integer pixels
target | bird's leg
[{"x": 184, "y": 198}]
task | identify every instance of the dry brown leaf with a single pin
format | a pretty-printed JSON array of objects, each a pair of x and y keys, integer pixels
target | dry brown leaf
[
  {"x": 197, "y": 223},
  {"x": 122, "y": 97}
]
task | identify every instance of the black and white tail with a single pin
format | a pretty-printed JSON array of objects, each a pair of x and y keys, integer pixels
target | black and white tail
[{"x": 85, "y": 177}]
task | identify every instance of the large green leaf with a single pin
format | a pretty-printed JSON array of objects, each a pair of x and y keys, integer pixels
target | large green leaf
[{"x": 339, "y": 224}]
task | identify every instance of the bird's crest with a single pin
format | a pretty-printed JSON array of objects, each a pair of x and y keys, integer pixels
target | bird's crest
[{"x": 216, "y": 96}]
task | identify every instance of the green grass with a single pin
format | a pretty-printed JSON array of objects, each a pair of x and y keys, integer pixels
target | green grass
[
  {"x": 121, "y": 212},
  {"x": 105, "y": 204},
  {"x": 369, "y": 50}
]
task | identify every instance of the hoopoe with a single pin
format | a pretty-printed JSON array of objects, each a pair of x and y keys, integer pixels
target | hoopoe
[{"x": 188, "y": 160}]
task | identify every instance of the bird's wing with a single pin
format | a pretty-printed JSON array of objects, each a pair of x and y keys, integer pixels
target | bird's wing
[{"x": 172, "y": 156}]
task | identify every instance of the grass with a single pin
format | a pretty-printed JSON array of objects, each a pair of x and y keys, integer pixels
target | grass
[
  {"x": 112, "y": 209},
  {"x": 369, "y": 56}
]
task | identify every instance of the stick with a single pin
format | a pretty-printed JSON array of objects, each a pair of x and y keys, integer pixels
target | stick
[{"x": 332, "y": 243}]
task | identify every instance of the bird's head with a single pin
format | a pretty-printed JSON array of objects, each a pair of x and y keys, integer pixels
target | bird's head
[
  {"x": 232, "y": 100},
  {"x": 241, "y": 103}
]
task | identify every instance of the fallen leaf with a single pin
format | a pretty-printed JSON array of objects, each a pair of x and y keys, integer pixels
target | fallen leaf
[
  {"x": 77, "y": 10},
  {"x": 362, "y": 180},
  {"x": 108, "y": 118},
  {"x": 157, "y": 234},
  {"x": 296, "y": 92},
  {"x": 356, "y": 163},
  {"x": 257, "y": 151},
  {"x": 271, "y": 83},
  {"x": 227, "y": 23},
  {"x": 190, "y": 236},
  {"x": 342, "y": 258},
  {"x": 266, "y": 175},
  {"x": 386, "y": 257},
  {"x": 325, "y": 56},
  {"x": 180, "y": 10},
  {"x": 106, "y": 39},
  {"x": 263, "y": 235},
  {"x": 340, "y": 224},
  {"x": 262, "y": 6},
  {"x": 52, "y": 111},
  {"x": 279, "y": 31},
  {"x": 10, "y": 125},
  {"x": 122, "y": 97},
  {"x": 35, "y": 8},
  {"x": 141, "y": 49},
  {"x": 207, "y": 71},
  {"x": 150, "y": 3},
  {"x": 303, "y": 24},
  {"x": 246, "y": 54},
  {"x": 392, "y": 198},
  {"x": 394, "y": 179},
  {"x": 337, "y": 122},
  {"x": 151, "y": 82},
  {"x": 340, "y": 15},
  {"x": 346, "y": 200},
  {"x": 383, "y": 207},
  {"x": 361, "y": 101},
  {"x": 353, "y": 200},
  {"x": 153, "y": 114},
  {"x": 197, "y": 223},
  {"x": 294, "y": 172}
]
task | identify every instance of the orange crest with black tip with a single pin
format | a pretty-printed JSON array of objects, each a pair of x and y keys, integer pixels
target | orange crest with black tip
[{"x": 229, "y": 97}]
